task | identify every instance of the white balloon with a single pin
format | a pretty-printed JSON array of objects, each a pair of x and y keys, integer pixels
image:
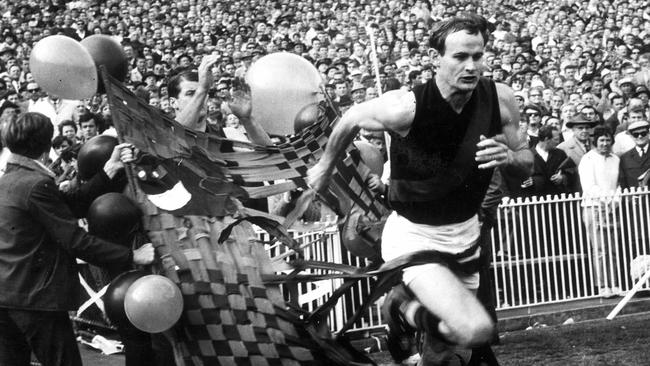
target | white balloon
[
  {"x": 282, "y": 84},
  {"x": 62, "y": 66}
]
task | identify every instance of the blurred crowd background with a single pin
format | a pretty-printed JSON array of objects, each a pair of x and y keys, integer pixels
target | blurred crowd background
[{"x": 563, "y": 58}]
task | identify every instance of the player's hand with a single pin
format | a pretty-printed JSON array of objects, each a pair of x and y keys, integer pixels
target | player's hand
[
  {"x": 375, "y": 184},
  {"x": 492, "y": 153},
  {"x": 144, "y": 255},
  {"x": 527, "y": 183}
]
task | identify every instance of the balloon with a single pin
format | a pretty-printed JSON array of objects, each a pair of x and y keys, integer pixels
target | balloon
[
  {"x": 371, "y": 156},
  {"x": 62, "y": 66},
  {"x": 106, "y": 51},
  {"x": 281, "y": 85},
  {"x": 94, "y": 154},
  {"x": 153, "y": 303},
  {"x": 306, "y": 117},
  {"x": 114, "y": 297},
  {"x": 114, "y": 217}
]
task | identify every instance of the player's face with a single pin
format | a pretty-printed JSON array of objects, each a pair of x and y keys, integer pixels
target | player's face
[{"x": 461, "y": 63}]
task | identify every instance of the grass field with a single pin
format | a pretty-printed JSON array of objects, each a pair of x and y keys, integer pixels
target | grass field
[{"x": 623, "y": 341}]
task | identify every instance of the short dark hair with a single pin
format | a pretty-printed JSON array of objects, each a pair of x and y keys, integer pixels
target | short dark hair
[
  {"x": 66, "y": 122},
  {"x": 85, "y": 117},
  {"x": 174, "y": 83},
  {"x": 9, "y": 105},
  {"x": 602, "y": 131},
  {"x": 546, "y": 132},
  {"x": 471, "y": 23},
  {"x": 30, "y": 135},
  {"x": 57, "y": 141}
]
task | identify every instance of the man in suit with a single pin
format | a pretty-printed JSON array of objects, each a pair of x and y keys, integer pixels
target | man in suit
[
  {"x": 578, "y": 145},
  {"x": 635, "y": 162},
  {"x": 552, "y": 168}
]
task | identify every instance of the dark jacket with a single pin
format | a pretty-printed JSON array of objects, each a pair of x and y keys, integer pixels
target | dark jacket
[
  {"x": 543, "y": 170},
  {"x": 631, "y": 167},
  {"x": 40, "y": 238}
]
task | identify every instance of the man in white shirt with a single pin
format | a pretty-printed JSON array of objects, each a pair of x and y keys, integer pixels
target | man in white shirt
[
  {"x": 55, "y": 108},
  {"x": 598, "y": 171}
]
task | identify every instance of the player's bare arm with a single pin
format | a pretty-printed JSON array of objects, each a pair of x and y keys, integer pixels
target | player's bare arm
[
  {"x": 507, "y": 148},
  {"x": 393, "y": 111}
]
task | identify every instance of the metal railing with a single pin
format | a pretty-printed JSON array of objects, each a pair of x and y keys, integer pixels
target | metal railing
[
  {"x": 541, "y": 253},
  {"x": 543, "y": 248}
]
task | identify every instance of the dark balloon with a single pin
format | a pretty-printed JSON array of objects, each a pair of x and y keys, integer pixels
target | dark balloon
[
  {"x": 113, "y": 217},
  {"x": 108, "y": 52},
  {"x": 94, "y": 154},
  {"x": 115, "y": 294}
]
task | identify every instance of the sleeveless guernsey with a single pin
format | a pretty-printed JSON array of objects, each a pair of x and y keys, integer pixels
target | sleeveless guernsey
[{"x": 435, "y": 179}]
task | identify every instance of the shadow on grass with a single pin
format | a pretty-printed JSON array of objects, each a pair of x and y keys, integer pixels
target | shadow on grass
[{"x": 621, "y": 342}]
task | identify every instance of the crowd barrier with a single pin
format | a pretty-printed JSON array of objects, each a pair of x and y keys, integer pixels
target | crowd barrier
[{"x": 541, "y": 253}]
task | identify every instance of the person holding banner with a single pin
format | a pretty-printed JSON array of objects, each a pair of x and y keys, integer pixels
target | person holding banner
[
  {"x": 447, "y": 136},
  {"x": 39, "y": 241}
]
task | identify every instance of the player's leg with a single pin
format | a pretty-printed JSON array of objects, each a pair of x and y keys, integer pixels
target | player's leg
[{"x": 458, "y": 316}]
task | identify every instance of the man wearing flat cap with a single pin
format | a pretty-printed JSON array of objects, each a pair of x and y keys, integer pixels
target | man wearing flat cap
[
  {"x": 626, "y": 85},
  {"x": 579, "y": 144},
  {"x": 635, "y": 163}
]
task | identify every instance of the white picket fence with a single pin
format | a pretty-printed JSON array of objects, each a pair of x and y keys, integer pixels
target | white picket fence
[{"x": 541, "y": 254}]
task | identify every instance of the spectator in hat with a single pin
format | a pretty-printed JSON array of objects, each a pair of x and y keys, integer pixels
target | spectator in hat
[
  {"x": 626, "y": 85},
  {"x": 358, "y": 92},
  {"x": 579, "y": 143},
  {"x": 635, "y": 163},
  {"x": 623, "y": 141}
]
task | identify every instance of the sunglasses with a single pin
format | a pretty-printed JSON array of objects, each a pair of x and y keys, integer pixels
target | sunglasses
[
  {"x": 639, "y": 134},
  {"x": 533, "y": 114},
  {"x": 33, "y": 90}
]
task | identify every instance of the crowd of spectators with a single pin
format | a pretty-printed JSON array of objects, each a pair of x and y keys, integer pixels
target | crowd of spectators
[{"x": 562, "y": 58}]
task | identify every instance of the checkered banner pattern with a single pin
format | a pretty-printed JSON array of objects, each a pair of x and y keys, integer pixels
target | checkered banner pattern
[
  {"x": 230, "y": 316},
  {"x": 211, "y": 158}
]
